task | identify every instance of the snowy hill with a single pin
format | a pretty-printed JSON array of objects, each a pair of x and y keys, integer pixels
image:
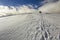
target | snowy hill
[{"x": 30, "y": 27}]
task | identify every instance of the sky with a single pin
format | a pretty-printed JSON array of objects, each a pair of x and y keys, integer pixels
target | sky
[
  {"x": 29, "y": 6},
  {"x": 20, "y": 2}
]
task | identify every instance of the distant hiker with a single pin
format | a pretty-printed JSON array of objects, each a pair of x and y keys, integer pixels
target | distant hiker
[{"x": 40, "y": 12}]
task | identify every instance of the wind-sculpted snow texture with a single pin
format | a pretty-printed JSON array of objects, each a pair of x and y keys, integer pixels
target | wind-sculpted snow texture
[{"x": 30, "y": 27}]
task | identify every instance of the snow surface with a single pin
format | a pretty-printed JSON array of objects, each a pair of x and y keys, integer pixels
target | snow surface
[{"x": 30, "y": 27}]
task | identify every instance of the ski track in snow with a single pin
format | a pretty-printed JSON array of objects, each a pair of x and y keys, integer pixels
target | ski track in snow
[{"x": 30, "y": 27}]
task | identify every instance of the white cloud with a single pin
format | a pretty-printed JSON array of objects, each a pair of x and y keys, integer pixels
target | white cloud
[
  {"x": 4, "y": 10},
  {"x": 25, "y": 9},
  {"x": 50, "y": 1},
  {"x": 51, "y": 7}
]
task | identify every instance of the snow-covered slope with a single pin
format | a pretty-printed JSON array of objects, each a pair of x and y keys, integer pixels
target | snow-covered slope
[{"x": 30, "y": 27}]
